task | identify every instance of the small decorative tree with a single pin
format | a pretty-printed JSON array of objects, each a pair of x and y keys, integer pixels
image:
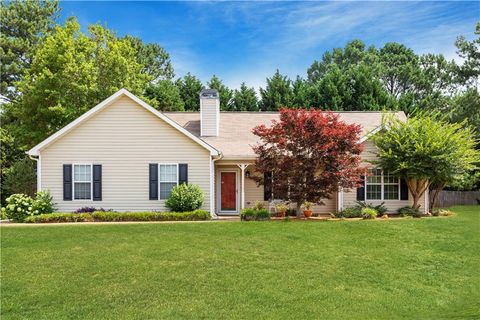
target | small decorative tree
[
  {"x": 310, "y": 155},
  {"x": 426, "y": 149}
]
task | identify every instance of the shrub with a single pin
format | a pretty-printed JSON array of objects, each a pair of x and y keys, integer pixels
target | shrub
[
  {"x": 18, "y": 207},
  {"x": 350, "y": 212},
  {"x": 409, "y": 211},
  {"x": 151, "y": 216},
  {"x": 43, "y": 203},
  {"x": 248, "y": 214},
  {"x": 60, "y": 217},
  {"x": 307, "y": 205},
  {"x": 369, "y": 213},
  {"x": 291, "y": 212},
  {"x": 259, "y": 205},
  {"x": 3, "y": 214},
  {"x": 442, "y": 212},
  {"x": 185, "y": 197},
  {"x": 89, "y": 210},
  {"x": 381, "y": 209},
  {"x": 282, "y": 207}
]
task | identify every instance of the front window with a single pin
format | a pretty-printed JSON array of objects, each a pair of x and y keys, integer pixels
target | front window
[
  {"x": 168, "y": 179},
  {"x": 82, "y": 182},
  {"x": 381, "y": 185}
]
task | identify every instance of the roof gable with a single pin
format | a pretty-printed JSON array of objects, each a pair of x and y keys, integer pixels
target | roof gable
[{"x": 104, "y": 104}]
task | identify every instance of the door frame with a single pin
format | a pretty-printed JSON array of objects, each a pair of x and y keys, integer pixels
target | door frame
[{"x": 219, "y": 192}]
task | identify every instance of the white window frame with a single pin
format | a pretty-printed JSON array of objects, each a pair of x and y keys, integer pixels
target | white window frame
[
  {"x": 382, "y": 184},
  {"x": 160, "y": 182},
  {"x": 73, "y": 181}
]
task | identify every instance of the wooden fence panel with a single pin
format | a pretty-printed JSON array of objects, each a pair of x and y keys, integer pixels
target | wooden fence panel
[{"x": 452, "y": 198}]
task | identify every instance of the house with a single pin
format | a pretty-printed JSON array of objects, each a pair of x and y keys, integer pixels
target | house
[{"x": 127, "y": 156}]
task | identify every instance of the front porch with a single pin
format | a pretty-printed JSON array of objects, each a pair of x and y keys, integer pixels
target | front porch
[{"x": 234, "y": 189}]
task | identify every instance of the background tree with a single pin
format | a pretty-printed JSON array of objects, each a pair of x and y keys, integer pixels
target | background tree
[
  {"x": 71, "y": 73},
  {"x": 244, "y": 99},
  {"x": 224, "y": 92},
  {"x": 165, "y": 96},
  {"x": 469, "y": 72},
  {"x": 190, "y": 88},
  {"x": 426, "y": 149},
  {"x": 20, "y": 178},
  {"x": 398, "y": 68},
  {"x": 300, "y": 94},
  {"x": 277, "y": 93},
  {"x": 22, "y": 23},
  {"x": 154, "y": 59},
  {"x": 310, "y": 154}
]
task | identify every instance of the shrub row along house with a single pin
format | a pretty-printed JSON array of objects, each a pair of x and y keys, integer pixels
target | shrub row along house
[{"x": 127, "y": 156}]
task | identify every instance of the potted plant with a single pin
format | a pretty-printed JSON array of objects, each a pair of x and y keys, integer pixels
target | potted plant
[
  {"x": 307, "y": 206},
  {"x": 281, "y": 209}
]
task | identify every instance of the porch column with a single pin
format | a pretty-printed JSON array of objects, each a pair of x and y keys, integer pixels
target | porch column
[{"x": 242, "y": 167}]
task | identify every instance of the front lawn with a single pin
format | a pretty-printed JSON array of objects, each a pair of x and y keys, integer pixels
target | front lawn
[{"x": 407, "y": 268}]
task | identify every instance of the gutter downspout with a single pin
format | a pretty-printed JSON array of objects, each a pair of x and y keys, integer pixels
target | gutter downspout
[
  {"x": 212, "y": 185},
  {"x": 39, "y": 170}
]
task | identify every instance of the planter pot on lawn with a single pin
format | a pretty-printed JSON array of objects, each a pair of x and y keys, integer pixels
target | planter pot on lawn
[{"x": 307, "y": 213}]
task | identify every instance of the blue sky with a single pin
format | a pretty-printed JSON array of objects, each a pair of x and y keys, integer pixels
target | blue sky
[{"x": 248, "y": 41}]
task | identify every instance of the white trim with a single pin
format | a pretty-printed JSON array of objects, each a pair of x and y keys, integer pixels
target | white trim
[
  {"x": 368, "y": 135},
  {"x": 219, "y": 192},
  {"x": 73, "y": 181},
  {"x": 382, "y": 187},
  {"x": 160, "y": 182},
  {"x": 39, "y": 173},
  {"x": 242, "y": 167},
  {"x": 340, "y": 200},
  {"x": 35, "y": 150}
]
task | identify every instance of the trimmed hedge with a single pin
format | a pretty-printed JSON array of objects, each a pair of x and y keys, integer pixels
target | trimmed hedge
[
  {"x": 60, "y": 217},
  {"x": 108, "y": 216}
]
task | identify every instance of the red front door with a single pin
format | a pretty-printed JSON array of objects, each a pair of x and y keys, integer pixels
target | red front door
[{"x": 228, "y": 191}]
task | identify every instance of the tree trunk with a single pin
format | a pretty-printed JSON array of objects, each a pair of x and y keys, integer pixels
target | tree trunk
[
  {"x": 417, "y": 188},
  {"x": 299, "y": 209},
  {"x": 437, "y": 188},
  {"x": 415, "y": 201}
]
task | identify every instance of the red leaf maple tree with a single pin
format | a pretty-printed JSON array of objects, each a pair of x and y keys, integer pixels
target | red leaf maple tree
[{"x": 310, "y": 154}]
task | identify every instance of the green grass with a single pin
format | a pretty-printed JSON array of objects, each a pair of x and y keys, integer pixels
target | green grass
[{"x": 413, "y": 268}]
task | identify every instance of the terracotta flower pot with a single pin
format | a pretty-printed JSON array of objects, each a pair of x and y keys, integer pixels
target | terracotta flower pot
[
  {"x": 281, "y": 214},
  {"x": 307, "y": 213}
]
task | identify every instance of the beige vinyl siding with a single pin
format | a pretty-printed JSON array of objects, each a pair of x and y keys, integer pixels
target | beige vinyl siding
[
  {"x": 209, "y": 111},
  {"x": 349, "y": 197},
  {"x": 124, "y": 138},
  {"x": 254, "y": 193}
]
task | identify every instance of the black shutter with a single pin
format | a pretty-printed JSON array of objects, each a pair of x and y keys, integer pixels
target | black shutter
[
  {"x": 403, "y": 189},
  {"x": 97, "y": 182},
  {"x": 361, "y": 190},
  {"x": 267, "y": 186},
  {"x": 153, "y": 181},
  {"x": 182, "y": 173},
  {"x": 67, "y": 182}
]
